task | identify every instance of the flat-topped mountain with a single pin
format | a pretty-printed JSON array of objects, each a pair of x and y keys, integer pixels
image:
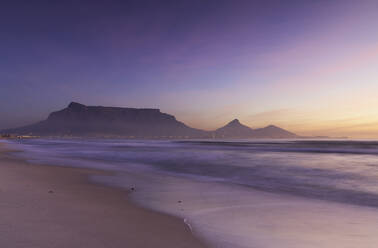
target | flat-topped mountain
[{"x": 78, "y": 120}]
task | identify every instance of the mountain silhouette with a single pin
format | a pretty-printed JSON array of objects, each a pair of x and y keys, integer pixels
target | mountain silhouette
[
  {"x": 78, "y": 120},
  {"x": 273, "y": 132},
  {"x": 97, "y": 121},
  {"x": 234, "y": 129}
]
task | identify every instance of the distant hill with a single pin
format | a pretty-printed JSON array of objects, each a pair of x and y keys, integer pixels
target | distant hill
[
  {"x": 273, "y": 132},
  {"x": 78, "y": 120},
  {"x": 235, "y": 129}
]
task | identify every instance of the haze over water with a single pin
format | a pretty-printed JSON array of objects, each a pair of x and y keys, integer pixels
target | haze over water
[{"x": 242, "y": 193}]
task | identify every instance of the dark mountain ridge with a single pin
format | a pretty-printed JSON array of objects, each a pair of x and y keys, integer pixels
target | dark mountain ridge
[
  {"x": 97, "y": 121},
  {"x": 78, "y": 120}
]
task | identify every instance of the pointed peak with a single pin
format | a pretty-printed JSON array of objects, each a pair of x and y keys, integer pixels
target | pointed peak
[
  {"x": 236, "y": 124},
  {"x": 234, "y": 121}
]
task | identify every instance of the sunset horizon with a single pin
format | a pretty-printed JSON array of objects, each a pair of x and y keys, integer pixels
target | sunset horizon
[
  {"x": 352, "y": 128},
  {"x": 189, "y": 124},
  {"x": 309, "y": 67}
]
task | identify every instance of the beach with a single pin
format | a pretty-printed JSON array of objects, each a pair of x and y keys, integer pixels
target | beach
[
  {"x": 48, "y": 206},
  {"x": 226, "y": 194}
]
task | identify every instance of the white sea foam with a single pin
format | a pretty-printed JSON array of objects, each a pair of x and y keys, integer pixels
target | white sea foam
[
  {"x": 324, "y": 198},
  {"x": 234, "y": 216}
]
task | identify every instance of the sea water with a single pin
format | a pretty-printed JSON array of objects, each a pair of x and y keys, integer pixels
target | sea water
[{"x": 241, "y": 193}]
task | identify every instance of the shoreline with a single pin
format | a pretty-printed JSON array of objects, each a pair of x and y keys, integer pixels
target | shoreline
[
  {"x": 221, "y": 214},
  {"x": 51, "y": 206}
]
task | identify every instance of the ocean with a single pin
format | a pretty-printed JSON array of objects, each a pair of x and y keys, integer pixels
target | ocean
[{"x": 240, "y": 193}]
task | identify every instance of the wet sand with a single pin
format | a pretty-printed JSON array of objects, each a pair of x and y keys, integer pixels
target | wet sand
[{"x": 49, "y": 207}]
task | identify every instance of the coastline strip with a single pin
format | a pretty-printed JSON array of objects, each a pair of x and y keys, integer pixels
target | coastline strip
[{"x": 50, "y": 206}]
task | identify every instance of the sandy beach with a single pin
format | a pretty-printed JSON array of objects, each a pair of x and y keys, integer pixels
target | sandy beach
[
  {"x": 46, "y": 206},
  {"x": 77, "y": 193}
]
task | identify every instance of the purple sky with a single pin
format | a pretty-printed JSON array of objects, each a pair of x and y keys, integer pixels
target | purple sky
[{"x": 289, "y": 63}]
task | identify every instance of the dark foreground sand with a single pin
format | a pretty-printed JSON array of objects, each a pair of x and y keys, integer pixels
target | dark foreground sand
[{"x": 48, "y": 207}]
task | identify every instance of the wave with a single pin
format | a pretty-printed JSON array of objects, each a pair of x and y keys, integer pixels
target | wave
[{"x": 341, "y": 171}]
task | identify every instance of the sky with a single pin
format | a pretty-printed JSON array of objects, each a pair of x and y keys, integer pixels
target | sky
[{"x": 307, "y": 66}]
